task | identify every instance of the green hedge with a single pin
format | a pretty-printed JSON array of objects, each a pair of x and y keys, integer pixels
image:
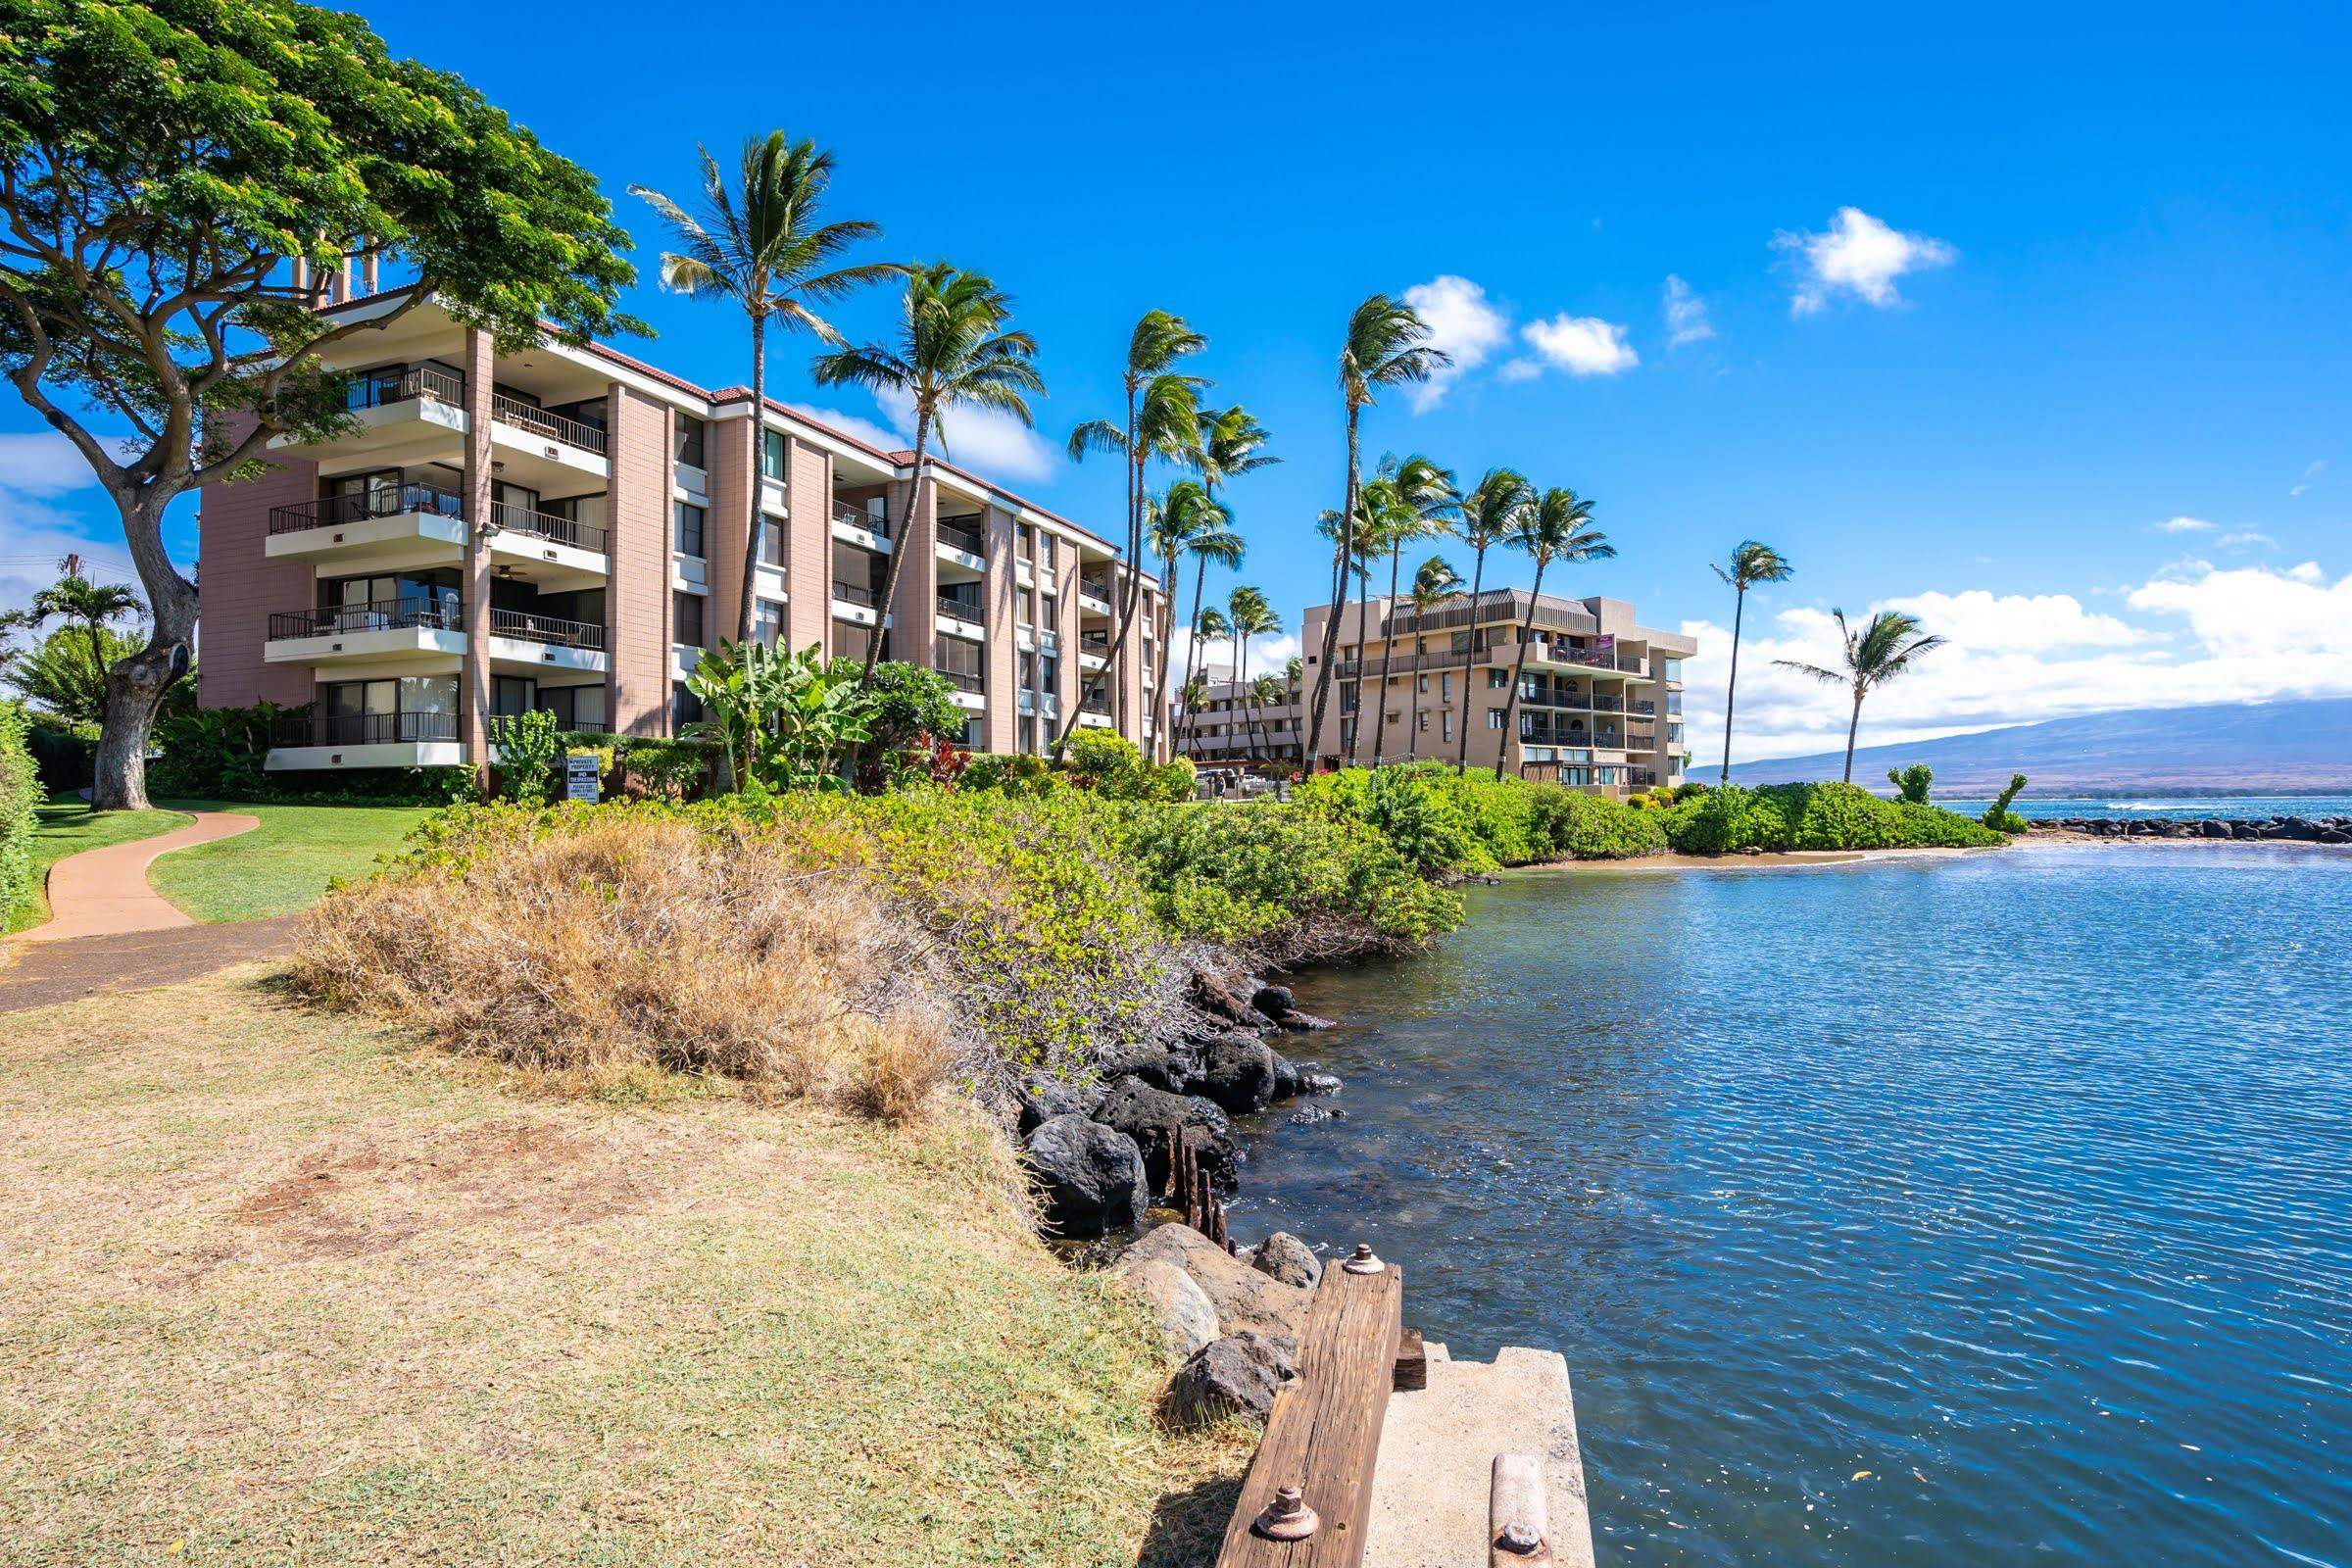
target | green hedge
[
  {"x": 21, "y": 794},
  {"x": 1815, "y": 816}
]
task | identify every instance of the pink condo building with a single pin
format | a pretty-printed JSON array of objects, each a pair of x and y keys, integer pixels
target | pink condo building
[{"x": 564, "y": 529}]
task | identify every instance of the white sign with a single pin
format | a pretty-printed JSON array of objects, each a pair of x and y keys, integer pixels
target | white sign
[{"x": 581, "y": 770}]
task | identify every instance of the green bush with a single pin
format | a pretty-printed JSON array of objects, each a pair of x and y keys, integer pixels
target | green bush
[
  {"x": 528, "y": 749},
  {"x": 1999, "y": 817},
  {"x": 1911, "y": 783},
  {"x": 1587, "y": 828},
  {"x": 670, "y": 769},
  {"x": 64, "y": 754},
  {"x": 1726, "y": 821},
  {"x": 20, "y": 797},
  {"x": 1814, "y": 817}
]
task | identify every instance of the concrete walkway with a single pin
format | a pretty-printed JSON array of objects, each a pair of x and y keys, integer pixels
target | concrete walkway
[{"x": 104, "y": 893}]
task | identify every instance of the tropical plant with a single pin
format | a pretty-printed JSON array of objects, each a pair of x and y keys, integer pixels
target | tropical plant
[
  {"x": 1187, "y": 520},
  {"x": 785, "y": 721},
  {"x": 1231, "y": 443},
  {"x": 1556, "y": 527},
  {"x": 528, "y": 746},
  {"x": 1250, "y": 616},
  {"x": 1911, "y": 783},
  {"x": 1264, "y": 692},
  {"x": 1434, "y": 583},
  {"x": 1387, "y": 345},
  {"x": 1163, "y": 422},
  {"x": 65, "y": 672},
  {"x": 1751, "y": 563},
  {"x": 1998, "y": 817},
  {"x": 92, "y": 606},
  {"x": 907, "y": 708},
  {"x": 1874, "y": 656},
  {"x": 1492, "y": 513},
  {"x": 1419, "y": 501},
  {"x": 1364, "y": 552},
  {"x": 762, "y": 245},
  {"x": 952, "y": 350},
  {"x": 181, "y": 187}
]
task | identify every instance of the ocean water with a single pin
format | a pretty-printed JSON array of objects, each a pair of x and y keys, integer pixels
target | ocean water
[
  {"x": 1917, "y": 1212},
  {"x": 2198, "y": 805}
]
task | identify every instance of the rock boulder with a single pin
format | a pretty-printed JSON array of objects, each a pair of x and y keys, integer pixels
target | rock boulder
[
  {"x": 1285, "y": 1257},
  {"x": 1244, "y": 1298},
  {"x": 1237, "y": 1374},
  {"x": 1187, "y": 1319},
  {"x": 1090, "y": 1177}
]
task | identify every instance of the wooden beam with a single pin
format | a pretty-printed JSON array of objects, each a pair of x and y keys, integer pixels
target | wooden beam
[
  {"x": 1412, "y": 1363},
  {"x": 1324, "y": 1431}
]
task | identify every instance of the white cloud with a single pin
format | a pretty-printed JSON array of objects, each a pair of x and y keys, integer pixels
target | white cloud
[
  {"x": 1581, "y": 345},
  {"x": 991, "y": 444},
  {"x": 2246, "y": 539},
  {"x": 2182, "y": 525},
  {"x": 42, "y": 462},
  {"x": 1518, "y": 371},
  {"x": 1686, "y": 315},
  {"x": 1861, "y": 256},
  {"x": 2196, "y": 633},
  {"x": 2310, "y": 474},
  {"x": 1464, "y": 323}
]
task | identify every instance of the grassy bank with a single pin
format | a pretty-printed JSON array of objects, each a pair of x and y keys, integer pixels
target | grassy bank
[
  {"x": 282, "y": 865},
  {"x": 284, "y": 1291}
]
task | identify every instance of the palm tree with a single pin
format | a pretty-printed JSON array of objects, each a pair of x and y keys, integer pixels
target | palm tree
[
  {"x": 1264, "y": 690},
  {"x": 1424, "y": 500},
  {"x": 952, "y": 350},
  {"x": 1557, "y": 527},
  {"x": 1874, "y": 656},
  {"x": 1363, "y": 548},
  {"x": 762, "y": 246},
  {"x": 1751, "y": 563},
  {"x": 1387, "y": 346},
  {"x": 91, "y": 606},
  {"x": 1434, "y": 583},
  {"x": 1163, "y": 420},
  {"x": 1249, "y": 616},
  {"x": 1492, "y": 513},
  {"x": 1188, "y": 521},
  {"x": 1230, "y": 442}
]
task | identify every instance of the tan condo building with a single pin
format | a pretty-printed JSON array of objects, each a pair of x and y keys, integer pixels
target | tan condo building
[
  {"x": 565, "y": 530},
  {"x": 1600, "y": 702},
  {"x": 1232, "y": 728}
]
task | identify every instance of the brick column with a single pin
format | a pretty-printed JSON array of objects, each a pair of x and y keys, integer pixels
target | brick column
[
  {"x": 809, "y": 535},
  {"x": 1068, "y": 673},
  {"x": 473, "y": 683},
  {"x": 731, "y": 458},
  {"x": 637, "y": 597},
  {"x": 914, "y": 530},
  {"x": 1002, "y": 655}
]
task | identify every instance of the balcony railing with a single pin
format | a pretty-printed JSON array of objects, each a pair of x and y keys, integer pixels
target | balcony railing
[
  {"x": 362, "y": 729},
  {"x": 550, "y": 629},
  {"x": 1098, "y": 703},
  {"x": 547, "y": 525},
  {"x": 962, "y": 609},
  {"x": 964, "y": 539},
  {"x": 1095, "y": 588},
  {"x": 375, "y": 389},
  {"x": 852, "y": 593},
  {"x": 383, "y": 615},
  {"x": 555, "y": 426},
  {"x": 859, "y": 517},
  {"x": 1642, "y": 778},
  {"x": 333, "y": 511},
  {"x": 965, "y": 683}
]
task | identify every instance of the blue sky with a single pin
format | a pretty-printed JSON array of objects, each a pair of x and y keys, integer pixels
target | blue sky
[{"x": 1986, "y": 305}]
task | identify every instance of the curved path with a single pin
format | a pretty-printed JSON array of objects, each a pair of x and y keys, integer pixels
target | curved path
[{"x": 104, "y": 893}]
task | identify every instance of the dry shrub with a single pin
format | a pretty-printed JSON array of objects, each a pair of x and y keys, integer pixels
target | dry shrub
[{"x": 641, "y": 942}]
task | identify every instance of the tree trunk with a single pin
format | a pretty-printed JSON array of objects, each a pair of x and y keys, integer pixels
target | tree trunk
[
  {"x": 1192, "y": 664},
  {"x": 1478, "y": 576},
  {"x": 1338, "y": 600},
  {"x": 1163, "y": 744},
  {"x": 747, "y": 618},
  {"x": 1118, "y": 638},
  {"x": 135, "y": 686},
  {"x": 898, "y": 557},
  {"x": 1730, "y": 690},
  {"x": 1510, "y": 704},
  {"x": 1852, "y": 725},
  {"x": 1241, "y": 695},
  {"x": 1387, "y": 653},
  {"x": 1363, "y": 637}
]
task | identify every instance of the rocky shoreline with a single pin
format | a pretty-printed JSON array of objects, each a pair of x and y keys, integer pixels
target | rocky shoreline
[{"x": 2332, "y": 830}]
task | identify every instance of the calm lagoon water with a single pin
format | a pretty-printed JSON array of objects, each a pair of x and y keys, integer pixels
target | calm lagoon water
[{"x": 2021, "y": 1182}]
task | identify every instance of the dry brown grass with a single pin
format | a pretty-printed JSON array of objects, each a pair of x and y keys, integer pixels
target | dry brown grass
[
  {"x": 596, "y": 955},
  {"x": 285, "y": 1290}
]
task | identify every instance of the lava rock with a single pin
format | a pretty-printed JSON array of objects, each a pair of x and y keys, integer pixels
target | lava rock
[
  {"x": 1273, "y": 1000},
  {"x": 2332, "y": 835},
  {"x": 1090, "y": 1177},
  {"x": 1308, "y": 1115},
  {"x": 1040, "y": 1097},
  {"x": 1285, "y": 1257},
  {"x": 1153, "y": 1116},
  {"x": 1238, "y": 1374},
  {"x": 1313, "y": 1081},
  {"x": 1304, "y": 1022},
  {"x": 1187, "y": 1319},
  {"x": 1244, "y": 1298},
  {"x": 2213, "y": 829},
  {"x": 1172, "y": 1071},
  {"x": 1223, "y": 996},
  {"x": 1238, "y": 1072}
]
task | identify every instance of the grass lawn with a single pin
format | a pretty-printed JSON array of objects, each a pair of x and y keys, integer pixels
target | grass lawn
[
  {"x": 284, "y": 1289},
  {"x": 68, "y": 826},
  {"x": 285, "y": 863}
]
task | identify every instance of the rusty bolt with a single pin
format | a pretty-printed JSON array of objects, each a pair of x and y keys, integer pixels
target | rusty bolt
[
  {"x": 1362, "y": 1261},
  {"x": 1288, "y": 1517},
  {"x": 1519, "y": 1538}
]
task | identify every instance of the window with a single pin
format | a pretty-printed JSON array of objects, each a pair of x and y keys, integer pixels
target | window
[
  {"x": 688, "y": 535},
  {"x": 1047, "y": 558},
  {"x": 1494, "y": 718},
  {"x": 768, "y": 622},
  {"x": 1024, "y": 607},
  {"x": 512, "y": 693},
  {"x": 1446, "y": 725},
  {"x": 1445, "y": 686},
  {"x": 1497, "y": 679},
  {"x": 1020, "y": 538},
  {"x": 686, "y": 619},
  {"x": 1421, "y": 683},
  {"x": 1670, "y": 669},
  {"x": 684, "y": 707},
  {"x": 1048, "y": 673},
  {"x": 691, "y": 434},
  {"x": 1029, "y": 733},
  {"x": 1051, "y": 607},
  {"x": 772, "y": 454},
  {"x": 771, "y": 542},
  {"x": 1423, "y": 724}
]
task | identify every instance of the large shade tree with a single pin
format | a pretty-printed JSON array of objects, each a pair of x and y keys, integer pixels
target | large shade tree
[
  {"x": 762, "y": 245},
  {"x": 177, "y": 178},
  {"x": 954, "y": 349},
  {"x": 1875, "y": 655},
  {"x": 1387, "y": 346}
]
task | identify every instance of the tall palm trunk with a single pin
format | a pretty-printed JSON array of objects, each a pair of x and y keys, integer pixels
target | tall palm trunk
[
  {"x": 1412, "y": 721},
  {"x": 1851, "y": 727},
  {"x": 1478, "y": 575},
  {"x": 1510, "y": 704},
  {"x": 1162, "y": 745},
  {"x": 898, "y": 557},
  {"x": 1339, "y": 584},
  {"x": 1388, "y": 652},
  {"x": 1192, "y": 645},
  {"x": 1364, "y": 640},
  {"x": 748, "y": 612},
  {"x": 1731, "y": 692},
  {"x": 1242, "y": 691},
  {"x": 1135, "y": 553}
]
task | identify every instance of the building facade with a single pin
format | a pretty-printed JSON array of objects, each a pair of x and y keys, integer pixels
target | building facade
[
  {"x": 1600, "y": 698},
  {"x": 1231, "y": 728},
  {"x": 567, "y": 529}
]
